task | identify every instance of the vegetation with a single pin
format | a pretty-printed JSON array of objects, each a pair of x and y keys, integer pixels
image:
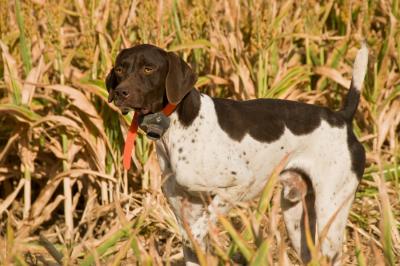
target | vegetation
[{"x": 64, "y": 196}]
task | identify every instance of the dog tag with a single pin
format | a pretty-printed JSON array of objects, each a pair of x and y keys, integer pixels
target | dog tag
[{"x": 154, "y": 125}]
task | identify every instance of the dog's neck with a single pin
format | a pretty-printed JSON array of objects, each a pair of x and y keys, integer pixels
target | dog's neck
[{"x": 188, "y": 109}]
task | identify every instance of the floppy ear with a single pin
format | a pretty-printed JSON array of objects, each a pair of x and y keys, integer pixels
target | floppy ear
[
  {"x": 111, "y": 83},
  {"x": 180, "y": 78}
]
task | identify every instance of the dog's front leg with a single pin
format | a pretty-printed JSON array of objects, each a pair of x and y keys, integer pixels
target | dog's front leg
[
  {"x": 194, "y": 216},
  {"x": 209, "y": 217},
  {"x": 187, "y": 210},
  {"x": 200, "y": 228}
]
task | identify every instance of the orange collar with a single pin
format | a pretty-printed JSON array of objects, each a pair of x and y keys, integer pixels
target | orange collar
[{"x": 132, "y": 132}]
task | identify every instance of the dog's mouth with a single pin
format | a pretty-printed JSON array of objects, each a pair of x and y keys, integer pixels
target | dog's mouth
[{"x": 141, "y": 110}]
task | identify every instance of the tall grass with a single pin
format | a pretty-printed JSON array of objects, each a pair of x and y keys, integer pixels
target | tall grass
[{"x": 60, "y": 141}]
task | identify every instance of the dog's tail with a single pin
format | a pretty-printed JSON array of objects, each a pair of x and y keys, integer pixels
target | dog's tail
[{"x": 353, "y": 96}]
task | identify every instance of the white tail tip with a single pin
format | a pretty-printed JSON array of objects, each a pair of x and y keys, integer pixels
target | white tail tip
[{"x": 360, "y": 67}]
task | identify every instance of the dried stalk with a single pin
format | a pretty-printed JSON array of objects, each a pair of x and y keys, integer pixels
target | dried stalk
[
  {"x": 69, "y": 222},
  {"x": 27, "y": 191}
]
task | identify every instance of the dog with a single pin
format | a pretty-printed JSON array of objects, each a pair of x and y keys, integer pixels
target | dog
[{"x": 226, "y": 149}]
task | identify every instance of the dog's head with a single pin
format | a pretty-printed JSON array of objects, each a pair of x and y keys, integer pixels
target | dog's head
[{"x": 145, "y": 78}]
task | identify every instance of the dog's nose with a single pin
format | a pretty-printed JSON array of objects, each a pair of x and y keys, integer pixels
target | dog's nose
[{"x": 122, "y": 93}]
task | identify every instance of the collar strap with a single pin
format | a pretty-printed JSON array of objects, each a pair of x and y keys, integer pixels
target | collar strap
[
  {"x": 168, "y": 109},
  {"x": 132, "y": 133}
]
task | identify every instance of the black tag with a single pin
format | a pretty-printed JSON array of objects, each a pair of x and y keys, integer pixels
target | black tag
[{"x": 154, "y": 125}]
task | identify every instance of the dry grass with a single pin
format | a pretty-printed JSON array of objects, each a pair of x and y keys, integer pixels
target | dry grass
[{"x": 64, "y": 196}]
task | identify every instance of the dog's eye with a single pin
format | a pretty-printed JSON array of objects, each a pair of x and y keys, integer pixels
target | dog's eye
[
  {"x": 148, "y": 70},
  {"x": 118, "y": 70}
]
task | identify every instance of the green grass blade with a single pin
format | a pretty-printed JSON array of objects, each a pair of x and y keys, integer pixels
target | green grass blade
[
  {"x": 10, "y": 74},
  {"x": 197, "y": 44},
  {"x": 268, "y": 189},
  {"x": 293, "y": 77},
  {"x": 387, "y": 241},
  {"x": 244, "y": 248},
  {"x": 19, "y": 112},
  {"x": 18, "y": 260},
  {"x": 135, "y": 247},
  {"x": 176, "y": 20},
  {"x": 360, "y": 257},
  {"x": 23, "y": 43},
  {"x": 103, "y": 248},
  {"x": 261, "y": 256}
]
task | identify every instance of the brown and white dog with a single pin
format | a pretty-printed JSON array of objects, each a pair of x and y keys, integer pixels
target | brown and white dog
[{"x": 227, "y": 149}]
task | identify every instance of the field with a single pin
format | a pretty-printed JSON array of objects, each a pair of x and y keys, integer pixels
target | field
[{"x": 64, "y": 196}]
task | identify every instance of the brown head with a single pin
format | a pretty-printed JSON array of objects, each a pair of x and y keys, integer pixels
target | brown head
[{"x": 145, "y": 78}]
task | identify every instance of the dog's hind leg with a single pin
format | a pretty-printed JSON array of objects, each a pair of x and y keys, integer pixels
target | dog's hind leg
[
  {"x": 296, "y": 192},
  {"x": 333, "y": 202}
]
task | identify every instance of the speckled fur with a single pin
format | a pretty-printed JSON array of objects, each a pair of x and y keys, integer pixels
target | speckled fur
[{"x": 233, "y": 171}]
